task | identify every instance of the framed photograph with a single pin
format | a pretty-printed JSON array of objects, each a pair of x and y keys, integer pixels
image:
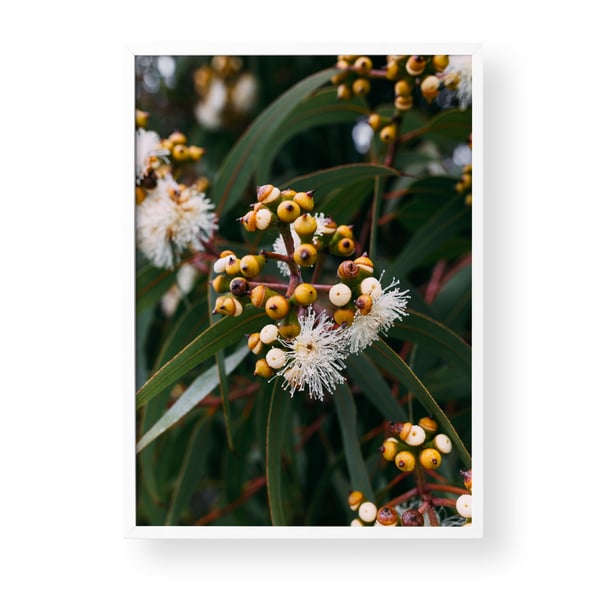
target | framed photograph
[{"x": 306, "y": 294}]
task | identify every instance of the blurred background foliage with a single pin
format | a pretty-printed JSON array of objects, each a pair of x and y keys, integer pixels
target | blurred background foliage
[{"x": 190, "y": 474}]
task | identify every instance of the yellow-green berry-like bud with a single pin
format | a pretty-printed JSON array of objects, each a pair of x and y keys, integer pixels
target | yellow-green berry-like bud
[
  {"x": 345, "y": 231},
  {"x": 355, "y": 498},
  {"x": 405, "y": 461},
  {"x": 364, "y": 303},
  {"x": 464, "y": 506},
  {"x": 442, "y": 443},
  {"x": 259, "y": 295},
  {"x": 289, "y": 330},
  {"x": 305, "y": 254},
  {"x": 276, "y": 358},
  {"x": 249, "y": 221},
  {"x": 239, "y": 287},
  {"x": 412, "y": 518},
  {"x": 268, "y": 334},
  {"x": 430, "y": 87},
  {"x": 429, "y": 425},
  {"x": 415, "y": 65},
  {"x": 365, "y": 264},
  {"x": 305, "y": 225},
  {"x": 344, "y": 316},
  {"x": 389, "y": 449},
  {"x": 403, "y": 103},
  {"x": 305, "y": 294},
  {"x": 195, "y": 153},
  {"x": 340, "y": 294},
  {"x": 344, "y": 92},
  {"x": 440, "y": 62},
  {"x": 251, "y": 265},
  {"x": 267, "y": 194},
  {"x": 232, "y": 268},
  {"x": 363, "y": 65},
  {"x": 264, "y": 217},
  {"x": 305, "y": 200},
  {"x": 228, "y": 305},
  {"x": 403, "y": 88},
  {"x": 387, "y": 516},
  {"x": 375, "y": 121},
  {"x": 344, "y": 247},
  {"x": 177, "y": 137},
  {"x": 141, "y": 119},
  {"x": 263, "y": 369},
  {"x": 255, "y": 345},
  {"x": 416, "y": 436},
  {"x": 371, "y": 286},
  {"x": 430, "y": 458},
  {"x": 361, "y": 86},
  {"x": 388, "y": 134},
  {"x": 392, "y": 70},
  {"x": 367, "y": 511},
  {"x": 220, "y": 284},
  {"x": 348, "y": 270},
  {"x": 180, "y": 153},
  {"x": 288, "y": 211},
  {"x": 277, "y": 307}
]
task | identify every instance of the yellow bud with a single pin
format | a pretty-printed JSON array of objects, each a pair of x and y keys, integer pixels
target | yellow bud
[
  {"x": 289, "y": 330},
  {"x": 220, "y": 284},
  {"x": 228, "y": 305},
  {"x": 226, "y": 253},
  {"x": 263, "y": 369},
  {"x": 363, "y": 65},
  {"x": 415, "y": 65},
  {"x": 305, "y": 294},
  {"x": 255, "y": 345},
  {"x": 404, "y": 430},
  {"x": 259, "y": 295},
  {"x": 344, "y": 247},
  {"x": 196, "y": 153},
  {"x": 403, "y": 88},
  {"x": 361, "y": 86},
  {"x": 440, "y": 62},
  {"x": 249, "y": 221},
  {"x": 405, "y": 461},
  {"x": 141, "y": 119},
  {"x": 305, "y": 200},
  {"x": 305, "y": 254},
  {"x": 469, "y": 199},
  {"x": 375, "y": 121},
  {"x": 267, "y": 194},
  {"x": 288, "y": 194},
  {"x": 140, "y": 195},
  {"x": 180, "y": 153},
  {"x": 232, "y": 267},
  {"x": 288, "y": 211},
  {"x": 392, "y": 70},
  {"x": 344, "y": 92},
  {"x": 305, "y": 225},
  {"x": 344, "y": 316},
  {"x": 389, "y": 448},
  {"x": 277, "y": 307},
  {"x": 403, "y": 103},
  {"x": 429, "y": 425},
  {"x": 251, "y": 265},
  {"x": 430, "y": 458},
  {"x": 429, "y": 87},
  {"x": 355, "y": 499},
  {"x": 177, "y": 137},
  {"x": 365, "y": 264},
  {"x": 364, "y": 303},
  {"x": 388, "y": 134}
]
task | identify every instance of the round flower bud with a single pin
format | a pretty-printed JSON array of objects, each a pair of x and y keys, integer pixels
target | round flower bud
[
  {"x": 428, "y": 424},
  {"x": 356, "y": 522},
  {"x": 340, "y": 294},
  {"x": 440, "y": 62},
  {"x": 305, "y": 254},
  {"x": 392, "y": 70},
  {"x": 388, "y": 134},
  {"x": 228, "y": 305},
  {"x": 375, "y": 121},
  {"x": 464, "y": 505},
  {"x": 140, "y": 195},
  {"x": 238, "y": 286},
  {"x": 288, "y": 211},
  {"x": 179, "y": 153},
  {"x": 177, "y": 137},
  {"x": 429, "y": 87},
  {"x": 387, "y": 516},
  {"x": 389, "y": 448},
  {"x": 220, "y": 264},
  {"x": 277, "y": 307},
  {"x": 402, "y": 430},
  {"x": 344, "y": 316},
  {"x": 355, "y": 499},
  {"x": 250, "y": 265},
  {"x": 305, "y": 294},
  {"x": 405, "y": 461},
  {"x": 255, "y": 344},
  {"x": 361, "y": 86},
  {"x": 305, "y": 225},
  {"x": 371, "y": 286},
  {"x": 269, "y": 333},
  {"x": 416, "y": 436},
  {"x": 403, "y": 88},
  {"x": 412, "y": 518},
  {"x": 249, "y": 221},
  {"x": 267, "y": 194},
  {"x": 263, "y": 369},
  {"x": 430, "y": 458},
  {"x": 403, "y": 103},
  {"x": 365, "y": 264},
  {"x": 344, "y": 92},
  {"x": 305, "y": 200},
  {"x": 289, "y": 330},
  {"x": 220, "y": 284},
  {"x": 364, "y": 303},
  {"x": 275, "y": 358},
  {"x": 415, "y": 65},
  {"x": 344, "y": 247},
  {"x": 367, "y": 511},
  {"x": 263, "y": 219},
  {"x": 363, "y": 65},
  {"x": 345, "y": 231},
  {"x": 348, "y": 270},
  {"x": 141, "y": 118},
  {"x": 232, "y": 268},
  {"x": 442, "y": 443},
  {"x": 196, "y": 153}
]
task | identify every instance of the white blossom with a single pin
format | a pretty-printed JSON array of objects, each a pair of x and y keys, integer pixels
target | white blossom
[
  {"x": 170, "y": 220},
  {"x": 315, "y": 358},
  {"x": 462, "y": 64},
  {"x": 147, "y": 152}
]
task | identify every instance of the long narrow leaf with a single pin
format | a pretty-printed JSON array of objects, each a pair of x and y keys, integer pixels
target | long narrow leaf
[
  {"x": 191, "y": 397},
  {"x": 388, "y": 359}
]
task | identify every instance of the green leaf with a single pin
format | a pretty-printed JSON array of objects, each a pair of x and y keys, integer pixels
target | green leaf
[
  {"x": 433, "y": 335},
  {"x": 453, "y": 302},
  {"x": 452, "y": 125},
  {"x": 192, "y": 468},
  {"x": 370, "y": 381},
  {"x": 346, "y": 411},
  {"x": 277, "y": 434},
  {"x": 387, "y": 358},
  {"x": 243, "y": 159},
  {"x": 227, "y": 331},
  {"x": 322, "y": 108},
  {"x": 151, "y": 284},
  {"x": 191, "y": 397}
]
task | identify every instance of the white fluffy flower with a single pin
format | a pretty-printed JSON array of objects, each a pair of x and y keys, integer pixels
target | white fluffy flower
[
  {"x": 388, "y": 306},
  {"x": 170, "y": 221},
  {"x": 462, "y": 64},
  {"x": 315, "y": 358},
  {"x": 147, "y": 152}
]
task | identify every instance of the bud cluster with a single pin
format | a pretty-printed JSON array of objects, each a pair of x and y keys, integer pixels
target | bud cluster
[
  {"x": 368, "y": 514},
  {"x": 464, "y": 186}
]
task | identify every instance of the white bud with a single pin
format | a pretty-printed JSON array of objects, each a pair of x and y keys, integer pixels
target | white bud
[
  {"x": 416, "y": 435},
  {"x": 442, "y": 443},
  {"x": 356, "y": 522},
  {"x": 371, "y": 286},
  {"x": 275, "y": 358},
  {"x": 463, "y": 505},
  {"x": 340, "y": 294},
  {"x": 269, "y": 333},
  {"x": 367, "y": 511},
  {"x": 263, "y": 219},
  {"x": 220, "y": 264}
]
